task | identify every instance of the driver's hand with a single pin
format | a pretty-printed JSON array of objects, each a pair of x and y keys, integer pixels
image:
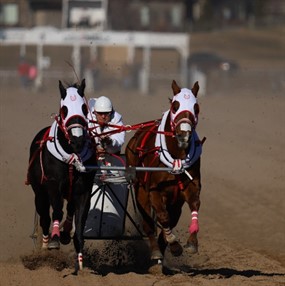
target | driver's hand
[
  {"x": 100, "y": 149},
  {"x": 106, "y": 141}
]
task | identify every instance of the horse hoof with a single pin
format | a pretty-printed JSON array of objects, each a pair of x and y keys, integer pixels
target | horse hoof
[
  {"x": 64, "y": 238},
  {"x": 176, "y": 249},
  {"x": 191, "y": 248},
  {"x": 166, "y": 270},
  {"x": 54, "y": 243},
  {"x": 156, "y": 255},
  {"x": 45, "y": 245}
]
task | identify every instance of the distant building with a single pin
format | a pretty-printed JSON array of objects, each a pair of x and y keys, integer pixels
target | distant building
[
  {"x": 138, "y": 15},
  {"x": 30, "y": 13}
]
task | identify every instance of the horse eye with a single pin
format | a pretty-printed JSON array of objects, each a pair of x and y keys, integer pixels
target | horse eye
[
  {"x": 84, "y": 109},
  {"x": 175, "y": 106},
  {"x": 196, "y": 109},
  {"x": 63, "y": 112}
]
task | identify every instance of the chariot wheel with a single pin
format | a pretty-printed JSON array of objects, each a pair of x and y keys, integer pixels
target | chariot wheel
[{"x": 133, "y": 223}]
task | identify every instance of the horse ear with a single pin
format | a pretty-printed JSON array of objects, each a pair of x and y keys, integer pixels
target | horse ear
[
  {"x": 195, "y": 88},
  {"x": 62, "y": 90},
  {"x": 176, "y": 89},
  {"x": 82, "y": 88}
]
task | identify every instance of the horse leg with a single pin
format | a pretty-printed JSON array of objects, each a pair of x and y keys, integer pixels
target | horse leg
[
  {"x": 145, "y": 209},
  {"x": 166, "y": 237},
  {"x": 65, "y": 237},
  {"x": 82, "y": 205},
  {"x": 192, "y": 197},
  {"x": 174, "y": 212},
  {"x": 57, "y": 214},
  {"x": 42, "y": 208}
]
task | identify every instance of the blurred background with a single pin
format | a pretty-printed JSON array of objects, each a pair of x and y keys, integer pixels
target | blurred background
[{"x": 140, "y": 45}]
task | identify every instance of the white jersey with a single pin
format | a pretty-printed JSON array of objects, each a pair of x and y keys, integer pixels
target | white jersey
[{"x": 118, "y": 138}]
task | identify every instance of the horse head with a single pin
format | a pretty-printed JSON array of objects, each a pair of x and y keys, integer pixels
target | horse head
[
  {"x": 73, "y": 115},
  {"x": 184, "y": 112}
]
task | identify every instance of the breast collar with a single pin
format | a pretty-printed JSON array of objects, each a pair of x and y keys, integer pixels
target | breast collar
[{"x": 195, "y": 149}]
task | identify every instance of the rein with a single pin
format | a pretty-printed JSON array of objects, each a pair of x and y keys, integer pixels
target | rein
[
  {"x": 128, "y": 128},
  {"x": 65, "y": 129},
  {"x": 62, "y": 127}
]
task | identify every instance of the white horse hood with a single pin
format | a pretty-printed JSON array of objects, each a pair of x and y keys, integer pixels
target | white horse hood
[
  {"x": 74, "y": 102},
  {"x": 187, "y": 101}
]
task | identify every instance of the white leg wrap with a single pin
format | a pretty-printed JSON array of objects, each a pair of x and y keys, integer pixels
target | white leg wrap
[
  {"x": 170, "y": 237},
  {"x": 194, "y": 215},
  {"x": 80, "y": 261},
  {"x": 45, "y": 241}
]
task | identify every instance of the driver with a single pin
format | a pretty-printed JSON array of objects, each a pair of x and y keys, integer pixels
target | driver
[{"x": 100, "y": 116}]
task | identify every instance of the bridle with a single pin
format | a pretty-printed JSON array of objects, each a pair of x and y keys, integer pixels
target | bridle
[
  {"x": 65, "y": 128},
  {"x": 183, "y": 116},
  {"x": 176, "y": 123},
  {"x": 73, "y": 106}
]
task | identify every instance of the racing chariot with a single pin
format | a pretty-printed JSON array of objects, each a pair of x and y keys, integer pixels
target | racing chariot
[{"x": 139, "y": 194}]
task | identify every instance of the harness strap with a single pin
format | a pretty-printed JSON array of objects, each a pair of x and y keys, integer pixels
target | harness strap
[
  {"x": 39, "y": 150},
  {"x": 117, "y": 156},
  {"x": 62, "y": 127},
  {"x": 151, "y": 164},
  {"x": 143, "y": 152},
  {"x": 70, "y": 172},
  {"x": 144, "y": 140}
]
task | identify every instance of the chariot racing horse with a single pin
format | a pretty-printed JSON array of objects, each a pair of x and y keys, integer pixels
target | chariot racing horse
[
  {"x": 56, "y": 171},
  {"x": 170, "y": 142}
]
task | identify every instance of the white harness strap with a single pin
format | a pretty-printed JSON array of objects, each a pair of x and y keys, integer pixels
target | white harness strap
[{"x": 195, "y": 150}]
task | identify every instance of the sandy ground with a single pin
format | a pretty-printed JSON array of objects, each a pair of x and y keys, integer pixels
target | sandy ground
[{"x": 242, "y": 217}]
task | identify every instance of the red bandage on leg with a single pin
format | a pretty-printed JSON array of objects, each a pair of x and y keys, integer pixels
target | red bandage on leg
[
  {"x": 55, "y": 229},
  {"x": 194, "y": 226}
]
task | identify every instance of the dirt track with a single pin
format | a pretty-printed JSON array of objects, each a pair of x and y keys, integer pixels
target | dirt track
[{"x": 242, "y": 217}]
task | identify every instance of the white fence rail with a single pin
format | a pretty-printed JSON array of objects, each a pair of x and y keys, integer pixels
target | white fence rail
[{"x": 77, "y": 39}]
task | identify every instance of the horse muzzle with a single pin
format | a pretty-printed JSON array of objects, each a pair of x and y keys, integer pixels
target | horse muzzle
[
  {"x": 183, "y": 139},
  {"x": 77, "y": 138},
  {"x": 77, "y": 131},
  {"x": 183, "y": 135}
]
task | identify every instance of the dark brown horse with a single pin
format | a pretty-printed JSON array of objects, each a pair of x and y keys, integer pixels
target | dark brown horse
[
  {"x": 56, "y": 171},
  {"x": 172, "y": 142}
]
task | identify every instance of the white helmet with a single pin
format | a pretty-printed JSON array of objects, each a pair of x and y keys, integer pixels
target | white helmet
[{"x": 103, "y": 104}]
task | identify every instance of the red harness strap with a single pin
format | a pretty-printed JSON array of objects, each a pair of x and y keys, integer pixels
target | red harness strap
[
  {"x": 143, "y": 142},
  {"x": 39, "y": 151},
  {"x": 142, "y": 150}
]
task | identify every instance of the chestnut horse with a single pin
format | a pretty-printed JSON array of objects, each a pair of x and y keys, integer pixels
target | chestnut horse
[
  {"x": 56, "y": 171},
  {"x": 174, "y": 143}
]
